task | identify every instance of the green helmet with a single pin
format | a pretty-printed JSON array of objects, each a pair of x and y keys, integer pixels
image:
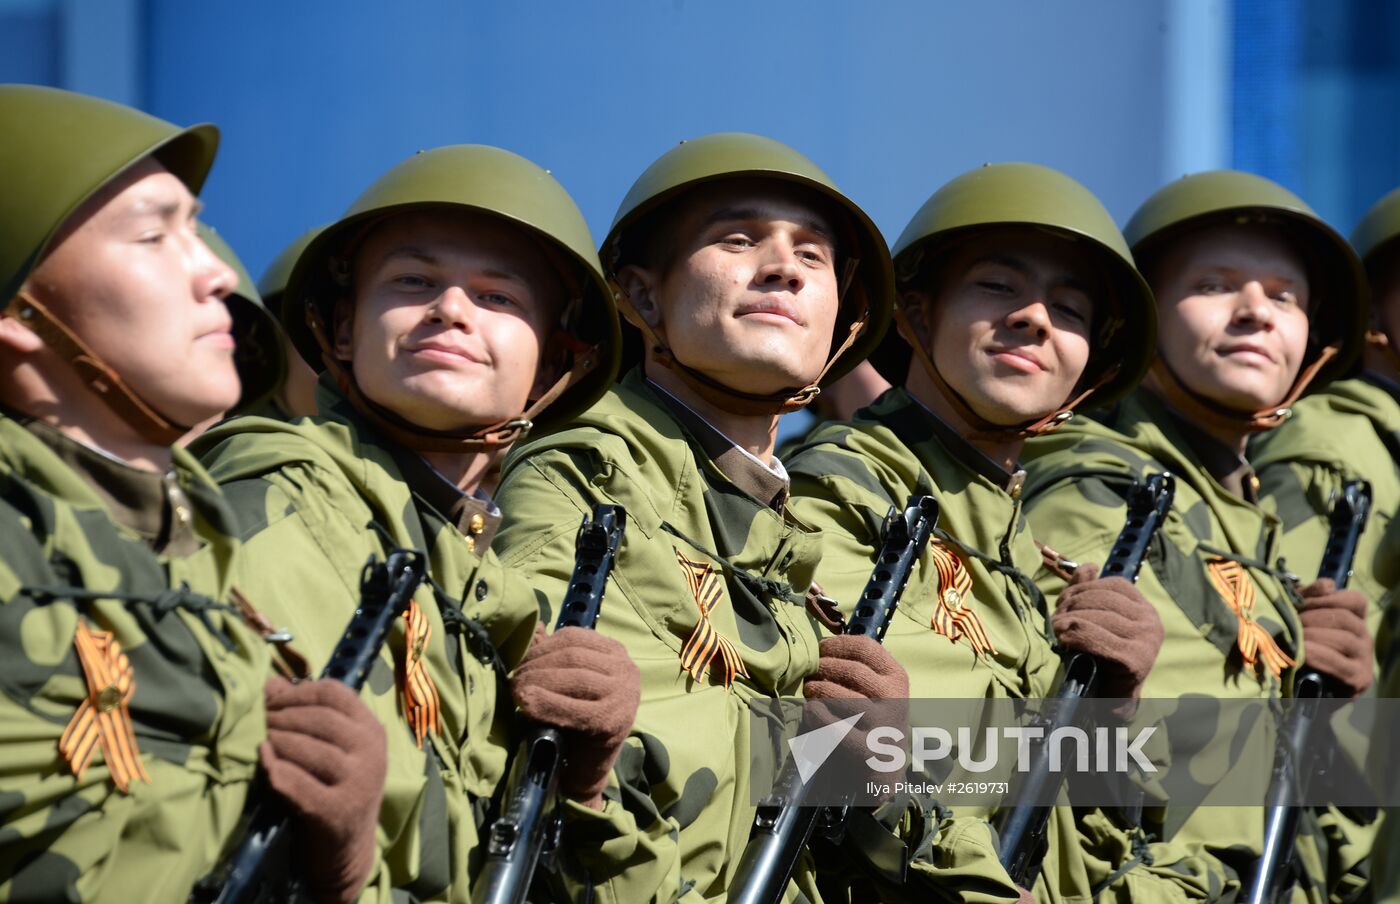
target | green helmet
[
  {"x": 274, "y": 278},
  {"x": 484, "y": 180},
  {"x": 1027, "y": 194},
  {"x": 1228, "y": 196},
  {"x": 1378, "y": 229},
  {"x": 258, "y": 354},
  {"x": 738, "y": 155},
  {"x": 61, "y": 148}
]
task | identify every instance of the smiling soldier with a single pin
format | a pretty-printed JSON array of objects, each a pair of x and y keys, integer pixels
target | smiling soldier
[
  {"x": 1019, "y": 304},
  {"x": 1350, "y": 431},
  {"x": 1259, "y": 301},
  {"x": 751, "y": 280},
  {"x": 457, "y": 302}
]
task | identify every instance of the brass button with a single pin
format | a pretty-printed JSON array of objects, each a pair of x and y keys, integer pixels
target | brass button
[
  {"x": 477, "y": 524},
  {"x": 109, "y": 698}
]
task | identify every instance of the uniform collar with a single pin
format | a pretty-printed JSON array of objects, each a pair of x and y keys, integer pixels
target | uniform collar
[
  {"x": 1229, "y": 469},
  {"x": 964, "y": 451},
  {"x": 768, "y": 484},
  {"x": 475, "y": 514},
  {"x": 154, "y": 506}
]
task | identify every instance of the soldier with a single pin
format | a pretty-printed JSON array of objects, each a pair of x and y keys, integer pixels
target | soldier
[
  {"x": 1259, "y": 301},
  {"x": 1348, "y": 432},
  {"x": 753, "y": 282},
  {"x": 133, "y": 707},
  {"x": 1019, "y": 305},
  {"x": 295, "y": 395},
  {"x": 458, "y": 302}
]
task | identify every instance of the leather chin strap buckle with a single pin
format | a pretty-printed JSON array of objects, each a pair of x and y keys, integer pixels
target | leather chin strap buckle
[{"x": 804, "y": 396}]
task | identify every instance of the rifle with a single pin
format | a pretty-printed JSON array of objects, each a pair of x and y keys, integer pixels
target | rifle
[
  {"x": 784, "y": 824},
  {"x": 261, "y": 868},
  {"x": 1273, "y": 877},
  {"x": 1024, "y": 832},
  {"x": 530, "y": 828}
]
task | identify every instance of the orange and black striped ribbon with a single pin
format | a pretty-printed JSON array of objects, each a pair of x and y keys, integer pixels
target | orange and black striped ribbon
[
  {"x": 103, "y": 719},
  {"x": 705, "y": 642},
  {"x": 1232, "y": 582},
  {"x": 952, "y": 610},
  {"x": 421, "y": 704}
]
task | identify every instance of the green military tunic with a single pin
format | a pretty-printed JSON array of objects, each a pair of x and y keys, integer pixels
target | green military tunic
[
  {"x": 985, "y": 641},
  {"x": 1349, "y": 432},
  {"x": 90, "y": 544},
  {"x": 316, "y": 498},
  {"x": 1077, "y": 481},
  {"x": 707, "y": 526}
]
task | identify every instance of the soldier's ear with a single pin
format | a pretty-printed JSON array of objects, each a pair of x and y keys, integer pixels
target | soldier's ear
[
  {"x": 14, "y": 336},
  {"x": 343, "y": 329},
  {"x": 918, "y": 307},
  {"x": 638, "y": 286}
]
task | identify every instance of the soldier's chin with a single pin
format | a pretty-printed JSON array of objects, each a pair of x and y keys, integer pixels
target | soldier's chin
[
  {"x": 1011, "y": 411},
  {"x": 1244, "y": 396},
  {"x": 197, "y": 403}
]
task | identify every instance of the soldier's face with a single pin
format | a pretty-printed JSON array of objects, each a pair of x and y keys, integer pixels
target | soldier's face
[
  {"x": 1233, "y": 315},
  {"x": 1009, "y": 323},
  {"x": 749, "y": 293},
  {"x": 450, "y": 317},
  {"x": 132, "y": 278}
]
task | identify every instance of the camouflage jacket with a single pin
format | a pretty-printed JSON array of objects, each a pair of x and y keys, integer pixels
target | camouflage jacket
[
  {"x": 316, "y": 498},
  {"x": 1349, "y": 432},
  {"x": 999, "y": 645},
  {"x": 83, "y": 597},
  {"x": 674, "y": 829},
  {"x": 1077, "y": 480}
]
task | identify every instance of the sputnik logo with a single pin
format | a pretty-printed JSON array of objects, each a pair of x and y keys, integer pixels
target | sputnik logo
[{"x": 812, "y": 748}]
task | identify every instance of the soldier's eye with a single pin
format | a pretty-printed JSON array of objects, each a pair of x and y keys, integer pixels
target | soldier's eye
[
  {"x": 995, "y": 285},
  {"x": 1071, "y": 310},
  {"x": 499, "y": 298}
]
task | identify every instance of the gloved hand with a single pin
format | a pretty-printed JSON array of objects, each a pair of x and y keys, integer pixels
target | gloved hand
[
  {"x": 1112, "y": 621},
  {"x": 853, "y": 667},
  {"x": 584, "y": 683},
  {"x": 325, "y": 753},
  {"x": 1336, "y": 641},
  {"x": 856, "y": 666}
]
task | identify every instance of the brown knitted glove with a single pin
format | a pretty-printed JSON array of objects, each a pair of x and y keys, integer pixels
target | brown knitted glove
[
  {"x": 325, "y": 753},
  {"x": 1336, "y": 641},
  {"x": 1110, "y": 619},
  {"x": 856, "y": 666},
  {"x": 587, "y": 685}
]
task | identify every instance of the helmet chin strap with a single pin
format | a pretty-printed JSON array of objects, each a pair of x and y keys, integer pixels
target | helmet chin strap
[
  {"x": 584, "y": 359},
  {"x": 727, "y": 398},
  {"x": 1198, "y": 407},
  {"x": 96, "y": 374},
  {"x": 983, "y": 429}
]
